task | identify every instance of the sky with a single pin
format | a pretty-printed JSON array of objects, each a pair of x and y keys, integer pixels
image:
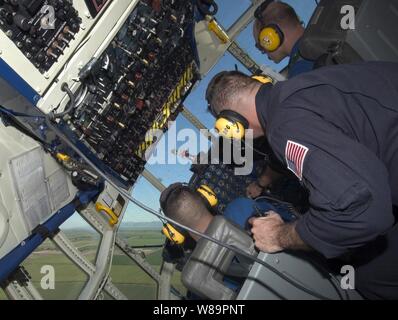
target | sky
[{"x": 229, "y": 12}]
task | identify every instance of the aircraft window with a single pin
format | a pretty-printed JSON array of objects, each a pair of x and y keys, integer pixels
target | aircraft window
[
  {"x": 196, "y": 102},
  {"x": 3, "y": 296},
  {"x": 85, "y": 238},
  {"x": 142, "y": 231},
  {"x": 128, "y": 277},
  {"x": 166, "y": 172},
  {"x": 105, "y": 296},
  {"x": 145, "y": 193},
  {"x": 139, "y": 228},
  {"x": 230, "y": 10},
  {"x": 69, "y": 279}
]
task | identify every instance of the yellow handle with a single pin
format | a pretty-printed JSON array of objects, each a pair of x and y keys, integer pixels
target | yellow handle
[
  {"x": 218, "y": 31},
  {"x": 62, "y": 157},
  {"x": 114, "y": 218}
]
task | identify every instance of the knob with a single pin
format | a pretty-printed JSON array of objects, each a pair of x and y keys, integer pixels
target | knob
[
  {"x": 40, "y": 57},
  {"x": 34, "y": 49},
  {"x": 74, "y": 26},
  {"x": 22, "y": 22},
  {"x": 62, "y": 14},
  {"x": 28, "y": 42}
]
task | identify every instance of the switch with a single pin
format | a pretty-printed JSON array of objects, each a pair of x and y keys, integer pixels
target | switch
[{"x": 22, "y": 22}]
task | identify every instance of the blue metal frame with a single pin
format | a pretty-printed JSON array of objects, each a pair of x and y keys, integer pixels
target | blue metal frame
[
  {"x": 19, "y": 84},
  {"x": 12, "y": 261}
]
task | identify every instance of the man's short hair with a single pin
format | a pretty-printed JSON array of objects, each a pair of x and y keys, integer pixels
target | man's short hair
[
  {"x": 225, "y": 88},
  {"x": 281, "y": 14},
  {"x": 185, "y": 206}
]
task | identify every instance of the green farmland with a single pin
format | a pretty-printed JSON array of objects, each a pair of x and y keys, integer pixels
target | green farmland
[{"x": 125, "y": 274}]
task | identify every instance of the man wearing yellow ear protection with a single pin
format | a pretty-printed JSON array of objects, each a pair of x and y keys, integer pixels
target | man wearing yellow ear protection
[
  {"x": 336, "y": 130},
  {"x": 277, "y": 32}
]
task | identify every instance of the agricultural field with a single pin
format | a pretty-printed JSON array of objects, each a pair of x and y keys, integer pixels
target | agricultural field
[{"x": 125, "y": 274}]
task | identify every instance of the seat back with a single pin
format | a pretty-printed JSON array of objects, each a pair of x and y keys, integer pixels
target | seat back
[{"x": 209, "y": 262}]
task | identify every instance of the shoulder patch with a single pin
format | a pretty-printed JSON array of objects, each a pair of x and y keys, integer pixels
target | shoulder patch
[{"x": 295, "y": 156}]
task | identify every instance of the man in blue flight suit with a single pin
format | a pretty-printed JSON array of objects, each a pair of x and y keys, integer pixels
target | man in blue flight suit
[
  {"x": 277, "y": 32},
  {"x": 336, "y": 129},
  {"x": 185, "y": 206}
]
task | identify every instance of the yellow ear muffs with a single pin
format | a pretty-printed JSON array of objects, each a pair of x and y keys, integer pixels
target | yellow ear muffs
[
  {"x": 208, "y": 195},
  {"x": 229, "y": 129},
  {"x": 262, "y": 79},
  {"x": 231, "y": 125},
  {"x": 173, "y": 234},
  {"x": 271, "y": 38}
]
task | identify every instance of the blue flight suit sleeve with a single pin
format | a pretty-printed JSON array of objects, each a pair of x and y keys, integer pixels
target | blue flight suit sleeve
[
  {"x": 350, "y": 195},
  {"x": 297, "y": 64},
  {"x": 300, "y": 67}
]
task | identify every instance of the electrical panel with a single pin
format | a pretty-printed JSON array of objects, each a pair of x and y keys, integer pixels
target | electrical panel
[
  {"x": 41, "y": 30},
  {"x": 227, "y": 186},
  {"x": 108, "y": 75},
  {"x": 126, "y": 80},
  {"x": 40, "y": 38},
  {"x": 222, "y": 180},
  {"x": 127, "y": 77},
  {"x": 136, "y": 85}
]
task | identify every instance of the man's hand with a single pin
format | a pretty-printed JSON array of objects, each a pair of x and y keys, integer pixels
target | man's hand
[
  {"x": 271, "y": 234},
  {"x": 254, "y": 190},
  {"x": 266, "y": 232}
]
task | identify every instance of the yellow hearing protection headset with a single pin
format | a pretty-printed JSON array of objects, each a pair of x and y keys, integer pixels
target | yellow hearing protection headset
[
  {"x": 232, "y": 125},
  {"x": 271, "y": 36},
  {"x": 262, "y": 79},
  {"x": 208, "y": 195},
  {"x": 174, "y": 233}
]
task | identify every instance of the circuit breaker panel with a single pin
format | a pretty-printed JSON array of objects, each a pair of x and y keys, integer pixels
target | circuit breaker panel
[
  {"x": 41, "y": 30},
  {"x": 106, "y": 75},
  {"x": 137, "y": 84},
  {"x": 126, "y": 78}
]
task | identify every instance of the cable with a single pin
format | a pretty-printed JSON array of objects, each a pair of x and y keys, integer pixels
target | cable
[
  {"x": 235, "y": 142},
  {"x": 162, "y": 217},
  {"x": 256, "y": 150},
  {"x": 72, "y": 103},
  {"x": 153, "y": 212},
  {"x": 17, "y": 114}
]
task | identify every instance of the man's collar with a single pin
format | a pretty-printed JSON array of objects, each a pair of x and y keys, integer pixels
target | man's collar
[
  {"x": 296, "y": 46},
  {"x": 262, "y": 103}
]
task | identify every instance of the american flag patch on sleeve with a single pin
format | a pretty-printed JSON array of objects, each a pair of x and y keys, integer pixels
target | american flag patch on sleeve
[{"x": 295, "y": 156}]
